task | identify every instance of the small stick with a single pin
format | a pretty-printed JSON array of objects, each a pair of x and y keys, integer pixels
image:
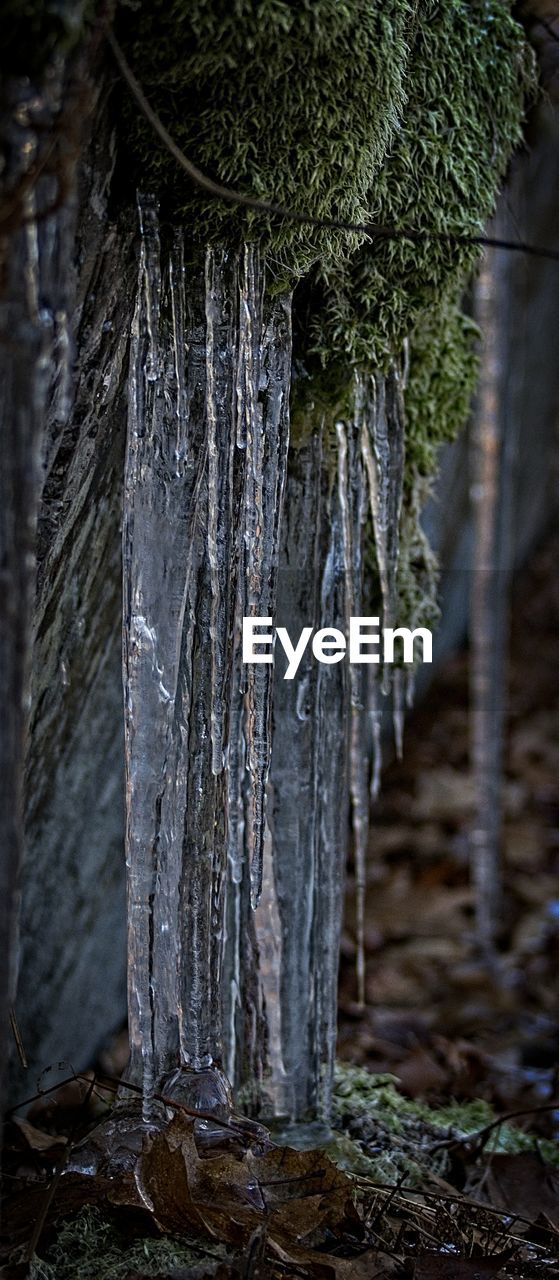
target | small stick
[{"x": 17, "y": 1037}]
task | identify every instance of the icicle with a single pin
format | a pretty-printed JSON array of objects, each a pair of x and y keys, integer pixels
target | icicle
[
  {"x": 286, "y": 909},
  {"x": 232, "y": 943},
  {"x": 262, "y": 397},
  {"x": 331, "y": 781},
  {"x": 220, "y": 343},
  {"x": 380, "y": 407},
  {"x": 410, "y": 689},
  {"x": 398, "y": 709},
  {"x": 375, "y": 716},
  {"x": 351, "y": 494},
  {"x": 290, "y": 943},
  {"x": 179, "y": 592}
]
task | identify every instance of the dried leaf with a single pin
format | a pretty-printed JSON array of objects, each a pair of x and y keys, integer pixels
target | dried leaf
[
  {"x": 36, "y": 1140},
  {"x": 524, "y": 1184},
  {"x": 301, "y": 1195}
]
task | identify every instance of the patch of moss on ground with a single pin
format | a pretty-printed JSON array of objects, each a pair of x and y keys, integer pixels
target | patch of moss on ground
[
  {"x": 382, "y": 1135},
  {"x": 91, "y": 1247}
]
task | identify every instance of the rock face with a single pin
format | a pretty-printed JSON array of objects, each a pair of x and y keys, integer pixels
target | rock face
[{"x": 71, "y": 989}]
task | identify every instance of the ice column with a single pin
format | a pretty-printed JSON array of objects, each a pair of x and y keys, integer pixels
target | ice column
[
  {"x": 380, "y": 407},
  {"x": 283, "y": 961},
  {"x": 206, "y": 447}
]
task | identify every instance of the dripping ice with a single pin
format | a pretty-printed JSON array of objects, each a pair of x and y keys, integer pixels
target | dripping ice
[
  {"x": 380, "y": 411},
  {"x": 205, "y": 469}
]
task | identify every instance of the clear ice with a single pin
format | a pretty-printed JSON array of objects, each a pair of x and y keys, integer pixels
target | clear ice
[
  {"x": 239, "y": 783},
  {"x": 353, "y": 499},
  {"x": 379, "y": 402},
  {"x": 204, "y": 474}
]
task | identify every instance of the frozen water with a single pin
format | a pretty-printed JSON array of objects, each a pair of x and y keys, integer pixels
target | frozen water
[
  {"x": 205, "y": 466},
  {"x": 380, "y": 407},
  {"x": 263, "y": 406},
  {"x": 282, "y": 1037},
  {"x": 352, "y": 499},
  {"x": 375, "y": 718},
  {"x": 238, "y": 782},
  {"x": 380, "y": 410}
]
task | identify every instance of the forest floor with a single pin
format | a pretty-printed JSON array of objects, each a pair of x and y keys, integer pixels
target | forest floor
[{"x": 422, "y": 1178}]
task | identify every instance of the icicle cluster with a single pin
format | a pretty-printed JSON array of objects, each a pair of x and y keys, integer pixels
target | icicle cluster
[
  {"x": 205, "y": 467},
  {"x": 235, "y": 844}
]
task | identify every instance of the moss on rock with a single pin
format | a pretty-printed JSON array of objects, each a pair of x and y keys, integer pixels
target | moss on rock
[
  {"x": 469, "y": 73},
  {"x": 294, "y": 103}
]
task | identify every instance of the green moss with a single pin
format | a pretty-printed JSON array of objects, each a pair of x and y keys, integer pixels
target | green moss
[
  {"x": 295, "y": 103},
  {"x": 443, "y": 364},
  {"x": 469, "y": 74},
  {"x": 90, "y": 1246},
  {"x": 408, "y": 1132}
]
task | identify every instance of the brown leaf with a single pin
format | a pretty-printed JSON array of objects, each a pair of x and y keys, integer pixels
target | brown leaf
[
  {"x": 300, "y": 1194},
  {"x": 35, "y": 1139},
  {"x": 525, "y": 1185},
  {"x": 419, "y": 1072}
]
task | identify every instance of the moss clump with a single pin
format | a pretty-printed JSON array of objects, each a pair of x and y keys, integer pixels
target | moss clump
[
  {"x": 401, "y": 1135},
  {"x": 295, "y": 103},
  {"x": 91, "y": 1247},
  {"x": 443, "y": 366},
  {"x": 469, "y": 74}
]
